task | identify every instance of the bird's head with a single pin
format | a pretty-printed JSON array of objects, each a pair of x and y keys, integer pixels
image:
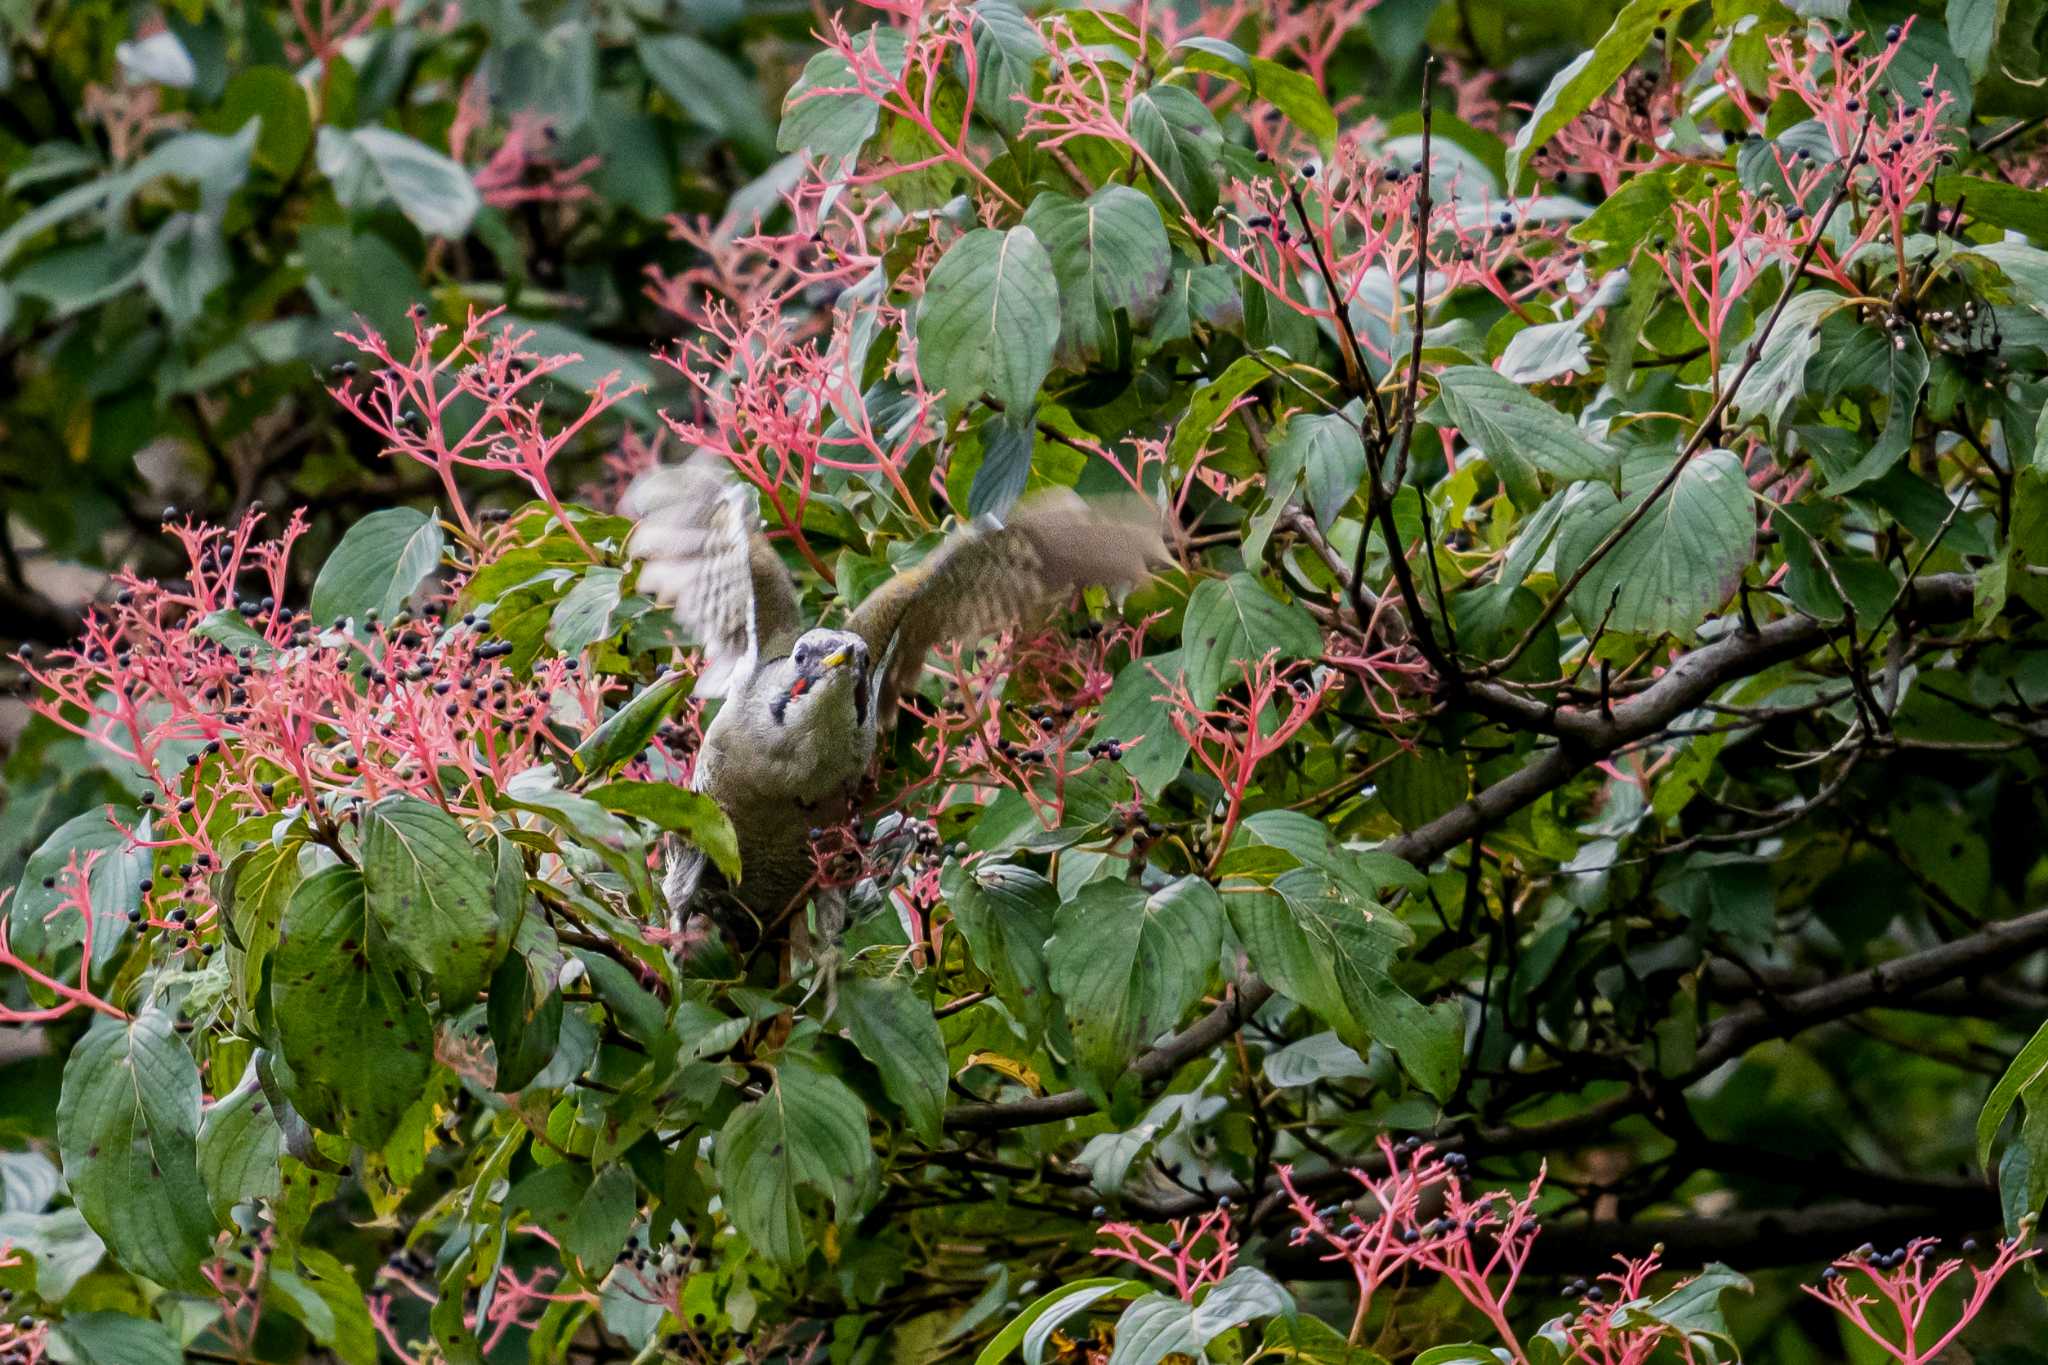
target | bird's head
[{"x": 827, "y": 667}]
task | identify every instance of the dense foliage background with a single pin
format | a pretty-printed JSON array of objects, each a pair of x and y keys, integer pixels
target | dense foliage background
[{"x": 1574, "y": 794}]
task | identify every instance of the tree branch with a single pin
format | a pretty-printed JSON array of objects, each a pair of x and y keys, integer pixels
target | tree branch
[{"x": 1583, "y": 739}]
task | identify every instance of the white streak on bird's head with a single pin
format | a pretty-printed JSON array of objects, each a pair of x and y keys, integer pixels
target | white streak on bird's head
[{"x": 825, "y": 668}]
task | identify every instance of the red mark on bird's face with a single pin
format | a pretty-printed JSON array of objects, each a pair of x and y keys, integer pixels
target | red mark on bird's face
[{"x": 796, "y": 689}]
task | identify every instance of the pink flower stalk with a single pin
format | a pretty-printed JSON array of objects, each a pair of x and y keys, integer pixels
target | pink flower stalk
[
  {"x": 1420, "y": 1215},
  {"x": 231, "y": 706},
  {"x": 937, "y": 39},
  {"x": 1606, "y": 1332},
  {"x": 832, "y": 241},
  {"x": 1905, "y": 1284},
  {"x": 330, "y": 25},
  {"x": 415, "y": 404},
  {"x": 782, "y": 405},
  {"x": 239, "y": 1296},
  {"x": 522, "y": 169},
  {"x": 75, "y": 881},
  {"x": 1719, "y": 246},
  {"x": 1234, "y": 736},
  {"x": 976, "y": 746},
  {"x": 1894, "y": 147},
  {"x": 1198, "y": 1255},
  {"x": 514, "y": 1304}
]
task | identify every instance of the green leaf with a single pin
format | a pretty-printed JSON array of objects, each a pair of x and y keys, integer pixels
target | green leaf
[
  {"x": 378, "y": 563},
  {"x": 117, "y": 1339},
  {"x": 1008, "y": 441},
  {"x": 1311, "y": 1341},
  {"x": 1677, "y": 564},
  {"x": 323, "y": 1296},
  {"x": 187, "y": 260},
  {"x": 809, "y": 1130},
  {"x": 1895, "y": 364},
  {"x": 603, "y": 1218},
  {"x": 1293, "y": 93},
  {"x": 1182, "y": 144},
  {"x": 624, "y": 733},
  {"x": 127, "y": 1125},
  {"x": 2027, "y": 1067},
  {"x": 1234, "y": 621},
  {"x": 695, "y": 816},
  {"x": 1109, "y": 254},
  {"x": 1590, "y": 75},
  {"x": 38, "y": 930},
  {"x": 373, "y": 164},
  {"x": 989, "y": 320},
  {"x": 708, "y": 86},
  {"x": 260, "y": 884},
  {"x": 431, "y": 893},
  {"x": 824, "y": 114},
  {"x": 1316, "y": 1058},
  {"x": 1006, "y": 913},
  {"x": 587, "y": 612},
  {"x": 1779, "y": 377},
  {"x": 359, "y": 1043},
  {"x": 1130, "y": 713},
  {"x": 1206, "y": 406},
  {"x": 1033, "y": 1328},
  {"x": 1158, "y": 1326},
  {"x": 1519, "y": 432},
  {"x": 1323, "y": 939},
  {"x": 894, "y": 1028},
  {"x": 1007, "y": 49},
  {"x": 239, "y": 1147},
  {"x": 1973, "y": 31},
  {"x": 1126, "y": 966},
  {"x": 65, "y": 1249},
  {"x": 1693, "y": 1309},
  {"x": 268, "y": 93},
  {"x": 1327, "y": 452},
  {"x": 525, "y": 1020},
  {"x": 1998, "y": 203}
]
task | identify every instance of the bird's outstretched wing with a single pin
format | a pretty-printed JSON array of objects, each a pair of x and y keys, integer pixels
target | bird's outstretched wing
[
  {"x": 991, "y": 575},
  {"x": 702, "y": 555}
]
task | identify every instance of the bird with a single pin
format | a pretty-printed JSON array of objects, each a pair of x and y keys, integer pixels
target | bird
[{"x": 802, "y": 710}]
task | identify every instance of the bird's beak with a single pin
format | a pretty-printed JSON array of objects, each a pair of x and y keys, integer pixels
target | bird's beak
[{"x": 833, "y": 660}]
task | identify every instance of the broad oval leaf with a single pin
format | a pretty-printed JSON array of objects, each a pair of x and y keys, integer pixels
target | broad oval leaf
[
  {"x": 127, "y": 1127},
  {"x": 895, "y": 1030},
  {"x": 1233, "y": 621},
  {"x": 624, "y": 734},
  {"x": 378, "y": 563},
  {"x": 1674, "y": 566},
  {"x": 990, "y": 319},
  {"x": 1110, "y": 254},
  {"x": 358, "y": 1042},
  {"x": 431, "y": 893},
  {"x": 1126, "y": 965},
  {"x": 807, "y": 1130},
  {"x": 1519, "y": 432}
]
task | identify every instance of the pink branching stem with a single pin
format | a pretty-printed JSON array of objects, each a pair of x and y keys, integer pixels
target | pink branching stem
[
  {"x": 974, "y": 744},
  {"x": 411, "y": 403},
  {"x": 1903, "y": 1281},
  {"x": 25, "y": 1341},
  {"x": 1233, "y": 737},
  {"x": 1199, "y": 1253},
  {"x": 1385, "y": 1231},
  {"x": 75, "y": 881},
  {"x": 936, "y": 40}
]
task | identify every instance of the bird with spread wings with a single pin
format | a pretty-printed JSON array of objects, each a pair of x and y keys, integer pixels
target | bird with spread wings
[{"x": 803, "y": 709}]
